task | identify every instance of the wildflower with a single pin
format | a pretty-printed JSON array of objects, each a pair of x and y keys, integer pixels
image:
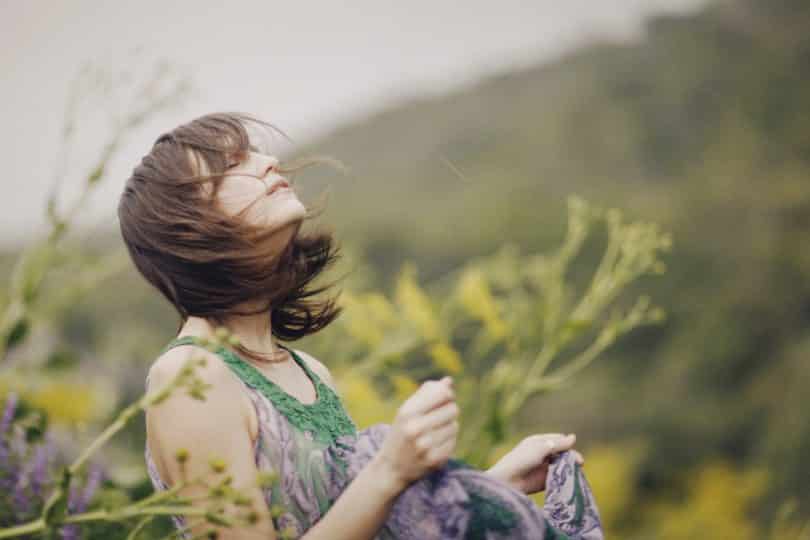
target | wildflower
[
  {"x": 181, "y": 456},
  {"x": 267, "y": 479},
  {"x": 39, "y": 473},
  {"x": 5, "y": 423},
  {"x": 415, "y": 304},
  {"x": 276, "y": 510},
  {"x": 221, "y": 333},
  {"x": 217, "y": 465},
  {"x": 79, "y": 499},
  {"x": 446, "y": 358}
]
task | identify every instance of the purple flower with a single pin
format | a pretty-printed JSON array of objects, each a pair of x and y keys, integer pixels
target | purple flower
[
  {"x": 13, "y": 472},
  {"x": 79, "y": 499},
  {"x": 40, "y": 466},
  {"x": 20, "y": 499},
  {"x": 8, "y": 413},
  {"x": 95, "y": 475},
  {"x": 69, "y": 532},
  {"x": 5, "y": 423},
  {"x": 27, "y": 475}
]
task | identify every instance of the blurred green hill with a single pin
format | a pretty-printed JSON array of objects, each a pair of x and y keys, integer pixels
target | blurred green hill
[{"x": 702, "y": 126}]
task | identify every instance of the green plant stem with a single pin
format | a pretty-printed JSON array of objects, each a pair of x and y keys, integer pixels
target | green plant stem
[
  {"x": 20, "y": 530},
  {"x": 160, "y": 495},
  {"x": 133, "y": 534},
  {"x": 129, "y": 513},
  {"x": 118, "y": 424}
]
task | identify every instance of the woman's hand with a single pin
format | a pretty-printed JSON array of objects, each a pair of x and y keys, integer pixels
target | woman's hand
[
  {"x": 423, "y": 434},
  {"x": 525, "y": 467}
]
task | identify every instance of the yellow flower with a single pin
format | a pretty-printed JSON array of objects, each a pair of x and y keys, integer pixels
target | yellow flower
[
  {"x": 718, "y": 505},
  {"x": 474, "y": 294},
  {"x": 358, "y": 323},
  {"x": 415, "y": 304},
  {"x": 445, "y": 357},
  {"x": 63, "y": 401},
  {"x": 381, "y": 309},
  {"x": 364, "y": 403},
  {"x": 610, "y": 471},
  {"x": 404, "y": 386}
]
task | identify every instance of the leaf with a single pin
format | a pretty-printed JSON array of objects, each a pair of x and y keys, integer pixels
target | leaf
[
  {"x": 61, "y": 360},
  {"x": 18, "y": 332}
]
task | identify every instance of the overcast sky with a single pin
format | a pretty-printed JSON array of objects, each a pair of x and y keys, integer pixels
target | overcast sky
[{"x": 305, "y": 66}]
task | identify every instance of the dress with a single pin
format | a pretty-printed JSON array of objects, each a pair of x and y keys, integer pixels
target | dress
[{"x": 316, "y": 450}]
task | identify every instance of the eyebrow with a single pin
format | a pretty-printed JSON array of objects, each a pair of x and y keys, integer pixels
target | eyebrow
[{"x": 253, "y": 148}]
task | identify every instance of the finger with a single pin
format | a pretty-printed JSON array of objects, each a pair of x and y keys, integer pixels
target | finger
[
  {"x": 540, "y": 438},
  {"x": 567, "y": 442},
  {"x": 554, "y": 445},
  {"x": 437, "y": 417},
  {"x": 430, "y": 395},
  {"x": 437, "y": 437},
  {"x": 442, "y": 452},
  {"x": 578, "y": 457}
]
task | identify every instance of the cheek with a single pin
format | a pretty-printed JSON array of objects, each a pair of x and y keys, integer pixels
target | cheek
[{"x": 234, "y": 195}]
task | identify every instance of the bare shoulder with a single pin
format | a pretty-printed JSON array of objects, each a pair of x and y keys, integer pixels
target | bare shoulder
[
  {"x": 224, "y": 403},
  {"x": 318, "y": 367},
  {"x": 221, "y": 424},
  {"x": 168, "y": 365}
]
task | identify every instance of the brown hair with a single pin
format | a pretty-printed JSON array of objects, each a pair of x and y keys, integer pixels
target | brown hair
[{"x": 205, "y": 262}]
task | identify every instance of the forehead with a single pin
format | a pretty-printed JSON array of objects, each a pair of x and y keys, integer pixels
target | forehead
[{"x": 199, "y": 165}]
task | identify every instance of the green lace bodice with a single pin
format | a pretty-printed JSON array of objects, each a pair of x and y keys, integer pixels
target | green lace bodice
[{"x": 325, "y": 419}]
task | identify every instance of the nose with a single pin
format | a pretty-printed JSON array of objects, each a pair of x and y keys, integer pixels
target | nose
[{"x": 272, "y": 163}]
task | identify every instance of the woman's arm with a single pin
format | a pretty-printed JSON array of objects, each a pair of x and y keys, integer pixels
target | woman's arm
[
  {"x": 362, "y": 508},
  {"x": 216, "y": 428},
  {"x": 219, "y": 427},
  {"x": 422, "y": 437}
]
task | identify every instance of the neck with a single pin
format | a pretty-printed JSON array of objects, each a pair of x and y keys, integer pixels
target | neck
[{"x": 253, "y": 331}]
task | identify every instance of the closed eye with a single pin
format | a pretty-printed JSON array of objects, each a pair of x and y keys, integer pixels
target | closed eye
[{"x": 251, "y": 148}]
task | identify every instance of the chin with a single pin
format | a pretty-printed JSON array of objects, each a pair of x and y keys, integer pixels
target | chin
[{"x": 287, "y": 212}]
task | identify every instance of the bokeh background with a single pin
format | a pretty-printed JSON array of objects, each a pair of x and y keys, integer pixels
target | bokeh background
[{"x": 465, "y": 126}]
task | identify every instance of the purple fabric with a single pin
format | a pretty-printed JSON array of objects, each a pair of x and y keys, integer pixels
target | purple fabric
[
  {"x": 438, "y": 506},
  {"x": 453, "y": 502}
]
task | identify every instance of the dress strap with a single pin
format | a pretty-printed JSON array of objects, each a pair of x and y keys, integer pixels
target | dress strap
[{"x": 185, "y": 340}]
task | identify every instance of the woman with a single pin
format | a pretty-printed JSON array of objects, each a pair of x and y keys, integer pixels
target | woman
[{"x": 210, "y": 221}]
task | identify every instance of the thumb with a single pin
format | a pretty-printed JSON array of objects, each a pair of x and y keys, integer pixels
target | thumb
[
  {"x": 560, "y": 444},
  {"x": 567, "y": 442}
]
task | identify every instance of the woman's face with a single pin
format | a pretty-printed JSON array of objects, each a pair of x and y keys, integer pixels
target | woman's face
[{"x": 252, "y": 178}]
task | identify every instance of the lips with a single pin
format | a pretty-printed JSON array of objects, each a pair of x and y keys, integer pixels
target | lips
[{"x": 278, "y": 184}]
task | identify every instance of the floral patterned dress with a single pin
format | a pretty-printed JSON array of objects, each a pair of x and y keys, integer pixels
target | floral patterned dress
[{"x": 316, "y": 450}]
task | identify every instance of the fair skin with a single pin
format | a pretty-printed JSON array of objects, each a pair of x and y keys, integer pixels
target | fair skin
[{"x": 423, "y": 433}]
